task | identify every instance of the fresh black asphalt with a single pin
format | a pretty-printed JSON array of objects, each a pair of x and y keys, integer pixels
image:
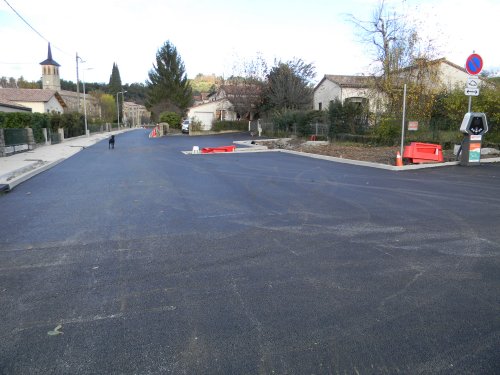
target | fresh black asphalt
[{"x": 143, "y": 260}]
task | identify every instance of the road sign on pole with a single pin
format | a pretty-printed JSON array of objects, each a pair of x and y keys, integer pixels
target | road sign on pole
[{"x": 474, "y": 64}]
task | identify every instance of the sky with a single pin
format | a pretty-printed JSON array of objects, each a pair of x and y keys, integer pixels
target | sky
[{"x": 218, "y": 36}]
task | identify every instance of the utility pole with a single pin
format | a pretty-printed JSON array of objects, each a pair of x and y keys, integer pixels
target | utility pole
[{"x": 77, "y": 83}]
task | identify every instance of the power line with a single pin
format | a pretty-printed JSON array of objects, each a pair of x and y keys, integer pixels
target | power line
[
  {"x": 32, "y": 28},
  {"x": 26, "y": 22}
]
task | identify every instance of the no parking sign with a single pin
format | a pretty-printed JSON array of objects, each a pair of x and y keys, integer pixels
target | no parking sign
[{"x": 474, "y": 64}]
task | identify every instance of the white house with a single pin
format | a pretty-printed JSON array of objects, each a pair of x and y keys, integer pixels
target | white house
[
  {"x": 343, "y": 88},
  {"x": 441, "y": 74},
  {"x": 207, "y": 113},
  {"x": 39, "y": 100}
]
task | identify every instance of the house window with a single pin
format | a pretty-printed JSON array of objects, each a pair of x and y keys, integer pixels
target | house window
[
  {"x": 359, "y": 102},
  {"x": 320, "y": 106}
]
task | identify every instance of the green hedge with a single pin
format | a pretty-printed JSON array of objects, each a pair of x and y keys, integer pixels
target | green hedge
[
  {"x": 172, "y": 119},
  {"x": 72, "y": 123},
  {"x": 219, "y": 126},
  {"x": 19, "y": 120}
]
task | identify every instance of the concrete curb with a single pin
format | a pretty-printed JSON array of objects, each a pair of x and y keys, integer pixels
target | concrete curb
[
  {"x": 258, "y": 148},
  {"x": 371, "y": 164},
  {"x": 33, "y": 173}
]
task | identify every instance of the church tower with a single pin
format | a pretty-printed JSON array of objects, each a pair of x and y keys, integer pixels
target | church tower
[{"x": 50, "y": 73}]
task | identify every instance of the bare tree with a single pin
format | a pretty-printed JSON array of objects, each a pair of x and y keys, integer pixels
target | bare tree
[
  {"x": 245, "y": 87},
  {"x": 400, "y": 56}
]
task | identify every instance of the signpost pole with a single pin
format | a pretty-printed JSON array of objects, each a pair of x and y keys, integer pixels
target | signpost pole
[
  {"x": 470, "y": 103},
  {"x": 403, "y": 124}
]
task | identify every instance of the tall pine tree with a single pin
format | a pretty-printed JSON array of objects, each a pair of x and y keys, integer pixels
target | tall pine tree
[
  {"x": 115, "y": 86},
  {"x": 168, "y": 86}
]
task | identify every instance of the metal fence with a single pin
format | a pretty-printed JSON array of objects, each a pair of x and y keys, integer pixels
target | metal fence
[
  {"x": 386, "y": 135},
  {"x": 272, "y": 130},
  {"x": 14, "y": 137},
  {"x": 55, "y": 137}
]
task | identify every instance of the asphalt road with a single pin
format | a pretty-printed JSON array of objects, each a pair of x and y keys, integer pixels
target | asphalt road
[{"x": 143, "y": 260}]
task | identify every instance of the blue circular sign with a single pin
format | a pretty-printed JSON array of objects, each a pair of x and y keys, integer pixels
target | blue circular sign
[{"x": 474, "y": 64}]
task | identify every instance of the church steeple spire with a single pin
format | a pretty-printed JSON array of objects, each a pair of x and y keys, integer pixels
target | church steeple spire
[
  {"x": 50, "y": 73},
  {"x": 49, "y": 60}
]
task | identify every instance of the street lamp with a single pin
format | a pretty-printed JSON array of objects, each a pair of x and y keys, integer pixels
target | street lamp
[
  {"x": 84, "y": 100},
  {"x": 118, "y": 106}
]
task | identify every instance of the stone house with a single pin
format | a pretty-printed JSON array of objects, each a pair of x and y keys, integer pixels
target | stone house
[{"x": 135, "y": 114}]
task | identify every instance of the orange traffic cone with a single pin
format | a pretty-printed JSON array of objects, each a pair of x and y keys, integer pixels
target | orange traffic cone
[{"x": 399, "y": 160}]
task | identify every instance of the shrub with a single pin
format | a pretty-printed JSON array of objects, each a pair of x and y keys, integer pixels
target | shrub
[
  {"x": 388, "y": 131},
  {"x": 288, "y": 121},
  {"x": 173, "y": 119},
  {"x": 196, "y": 125},
  {"x": 348, "y": 117}
]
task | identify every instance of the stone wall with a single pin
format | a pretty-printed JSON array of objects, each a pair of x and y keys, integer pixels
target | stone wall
[
  {"x": 12, "y": 149},
  {"x": 2, "y": 144}
]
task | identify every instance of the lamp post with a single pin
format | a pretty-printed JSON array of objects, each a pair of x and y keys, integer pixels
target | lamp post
[
  {"x": 118, "y": 106},
  {"x": 85, "y": 101}
]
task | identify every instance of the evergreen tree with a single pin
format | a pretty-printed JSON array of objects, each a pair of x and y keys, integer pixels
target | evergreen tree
[
  {"x": 289, "y": 85},
  {"x": 168, "y": 86},
  {"x": 115, "y": 86}
]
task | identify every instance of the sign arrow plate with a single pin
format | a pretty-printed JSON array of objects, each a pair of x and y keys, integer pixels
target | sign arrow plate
[{"x": 472, "y": 92}]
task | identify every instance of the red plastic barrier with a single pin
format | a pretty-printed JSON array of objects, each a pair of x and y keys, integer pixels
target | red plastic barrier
[
  {"x": 423, "y": 153},
  {"x": 211, "y": 150}
]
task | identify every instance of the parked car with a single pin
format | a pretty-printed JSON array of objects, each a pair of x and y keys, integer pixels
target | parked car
[{"x": 185, "y": 126}]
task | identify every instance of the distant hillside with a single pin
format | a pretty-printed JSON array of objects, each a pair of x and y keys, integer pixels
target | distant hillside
[{"x": 204, "y": 83}]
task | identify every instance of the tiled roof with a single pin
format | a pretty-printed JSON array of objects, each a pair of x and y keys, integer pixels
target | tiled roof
[
  {"x": 73, "y": 94},
  {"x": 351, "y": 81},
  {"x": 30, "y": 95},
  {"x": 435, "y": 62},
  {"x": 27, "y": 95},
  {"x": 210, "y": 103},
  {"x": 8, "y": 103}
]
